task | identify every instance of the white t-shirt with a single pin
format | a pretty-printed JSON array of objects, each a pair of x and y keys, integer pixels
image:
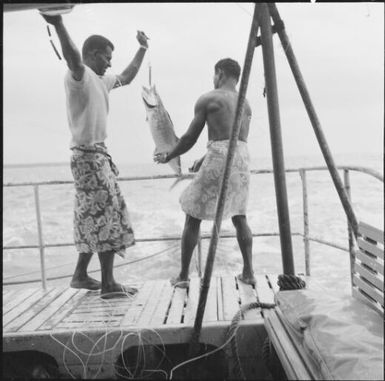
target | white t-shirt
[{"x": 87, "y": 106}]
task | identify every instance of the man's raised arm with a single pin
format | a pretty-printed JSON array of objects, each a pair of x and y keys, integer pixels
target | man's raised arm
[
  {"x": 129, "y": 73},
  {"x": 70, "y": 52},
  {"x": 190, "y": 137}
]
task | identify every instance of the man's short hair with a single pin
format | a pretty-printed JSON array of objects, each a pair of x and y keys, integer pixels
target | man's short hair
[
  {"x": 230, "y": 67},
  {"x": 96, "y": 42}
]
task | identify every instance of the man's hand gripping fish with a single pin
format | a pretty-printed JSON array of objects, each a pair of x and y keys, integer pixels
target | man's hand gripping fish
[{"x": 161, "y": 126}]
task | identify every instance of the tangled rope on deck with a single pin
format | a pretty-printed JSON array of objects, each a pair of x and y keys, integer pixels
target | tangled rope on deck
[
  {"x": 285, "y": 282},
  {"x": 232, "y": 333}
]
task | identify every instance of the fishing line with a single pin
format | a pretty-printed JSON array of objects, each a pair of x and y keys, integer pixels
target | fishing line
[
  {"x": 205, "y": 354},
  {"x": 52, "y": 44}
]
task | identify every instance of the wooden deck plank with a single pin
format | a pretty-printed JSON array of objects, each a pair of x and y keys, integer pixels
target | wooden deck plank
[
  {"x": 273, "y": 279},
  {"x": 371, "y": 232},
  {"x": 265, "y": 293},
  {"x": 371, "y": 291},
  {"x": 177, "y": 306},
  {"x": 24, "y": 306},
  {"x": 370, "y": 247},
  {"x": 33, "y": 310},
  {"x": 48, "y": 310},
  {"x": 19, "y": 297},
  {"x": 148, "y": 311},
  {"x": 192, "y": 301},
  {"x": 210, "y": 313},
  {"x": 138, "y": 303},
  {"x": 230, "y": 297},
  {"x": 64, "y": 310},
  {"x": 8, "y": 295},
  {"x": 370, "y": 261},
  {"x": 163, "y": 306},
  {"x": 369, "y": 276},
  {"x": 247, "y": 296}
]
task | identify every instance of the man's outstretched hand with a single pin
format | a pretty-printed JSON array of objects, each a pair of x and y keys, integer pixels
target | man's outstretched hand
[{"x": 142, "y": 39}]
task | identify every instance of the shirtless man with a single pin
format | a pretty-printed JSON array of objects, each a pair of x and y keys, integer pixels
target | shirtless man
[
  {"x": 101, "y": 218},
  {"x": 216, "y": 109}
]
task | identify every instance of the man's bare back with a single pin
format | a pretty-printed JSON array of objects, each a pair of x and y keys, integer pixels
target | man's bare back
[{"x": 220, "y": 113}]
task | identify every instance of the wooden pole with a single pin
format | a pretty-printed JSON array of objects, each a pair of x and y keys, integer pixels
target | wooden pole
[
  {"x": 194, "y": 344},
  {"x": 276, "y": 140},
  {"x": 314, "y": 120}
]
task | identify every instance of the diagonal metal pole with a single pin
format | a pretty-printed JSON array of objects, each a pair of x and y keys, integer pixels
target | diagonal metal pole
[
  {"x": 276, "y": 140},
  {"x": 314, "y": 120},
  {"x": 194, "y": 344}
]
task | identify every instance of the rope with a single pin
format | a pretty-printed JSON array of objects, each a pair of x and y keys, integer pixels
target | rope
[
  {"x": 238, "y": 371},
  {"x": 290, "y": 282}
]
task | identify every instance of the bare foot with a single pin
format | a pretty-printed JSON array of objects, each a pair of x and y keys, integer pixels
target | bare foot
[
  {"x": 180, "y": 283},
  {"x": 118, "y": 291},
  {"x": 248, "y": 280},
  {"x": 88, "y": 283}
]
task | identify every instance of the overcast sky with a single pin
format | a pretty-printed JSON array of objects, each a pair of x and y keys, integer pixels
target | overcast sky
[{"x": 339, "y": 47}]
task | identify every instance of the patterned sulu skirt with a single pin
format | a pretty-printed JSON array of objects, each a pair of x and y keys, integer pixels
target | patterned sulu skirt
[
  {"x": 101, "y": 218},
  {"x": 200, "y": 198}
]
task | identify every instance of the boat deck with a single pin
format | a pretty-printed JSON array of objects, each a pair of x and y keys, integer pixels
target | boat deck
[
  {"x": 60, "y": 321},
  {"x": 156, "y": 304}
]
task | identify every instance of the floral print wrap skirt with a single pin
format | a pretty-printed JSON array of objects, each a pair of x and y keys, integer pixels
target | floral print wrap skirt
[
  {"x": 199, "y": 199},
  {"x": 101, "y": 218}
]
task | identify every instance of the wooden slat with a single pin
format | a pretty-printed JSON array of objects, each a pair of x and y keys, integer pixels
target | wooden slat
[
  {"x": 150, "y": 307},
  {"x": 371, "y": 232},
  {"x": 371, "y": 277},
  {"x": 138, "y": 303},
  {"x": 371, "y": 303},
  {"x": 211, "y": 307},
  {"x": 20, "y": 296},
  {"x": 192, "y": 301},
  {"x": 247, "y": 295},
  {"x": 162, "y": 307},
  {"x": 64, "y": 310},
  {"x": 7, "y": 296},
  {"x": 287, "y": 351},
  {"x": 370, "y": 247},
  {"x": 369, "y": 261},
  {"x": 48, "y": 310},
  {"x": 71, "y": 326},
  {"x": 273, "y": 279},
  {"x": 230, "y": 297},
  {"x": 371, "y": 291},
  {"x": 264, "y": 292},
  {"x": 177, "y": 306},
  {"x": 34, "y": 310},
  {"x": 25, "y": 305}
]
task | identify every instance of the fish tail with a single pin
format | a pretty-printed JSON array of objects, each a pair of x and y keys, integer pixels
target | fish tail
[{"x": 176, "y": 182}]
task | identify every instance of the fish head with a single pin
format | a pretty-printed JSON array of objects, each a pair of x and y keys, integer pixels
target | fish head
[{"x": 149, "y": 97}]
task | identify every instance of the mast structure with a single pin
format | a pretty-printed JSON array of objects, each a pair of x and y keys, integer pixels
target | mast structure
[{"x": 263, "y": 14}]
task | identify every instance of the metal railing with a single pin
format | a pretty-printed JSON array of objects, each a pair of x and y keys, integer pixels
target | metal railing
[{"x": 305, "y": 235}]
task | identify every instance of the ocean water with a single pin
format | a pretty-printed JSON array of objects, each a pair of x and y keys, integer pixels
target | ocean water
[{"x": 155, "y": 212}]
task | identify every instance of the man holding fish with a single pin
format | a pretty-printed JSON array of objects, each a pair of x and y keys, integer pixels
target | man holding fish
[
  {"x": 101, "y": 219},
  {"x": 216, "y": 109}
]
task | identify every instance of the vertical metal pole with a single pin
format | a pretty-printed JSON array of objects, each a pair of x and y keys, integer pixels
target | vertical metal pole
[
  {"x": 276, "y": 140},
  {"x": 40, "y": 237},
  {"x": 350, "y": 232},
  {"x": 302, "y": 173},
  {"x": 314, "y": 120},
  {"x": 199, "y": 255},
  {"x": 194, "y": 344}
]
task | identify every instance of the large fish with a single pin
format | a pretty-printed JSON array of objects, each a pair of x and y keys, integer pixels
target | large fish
[{"x": 162, "y": 129}]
